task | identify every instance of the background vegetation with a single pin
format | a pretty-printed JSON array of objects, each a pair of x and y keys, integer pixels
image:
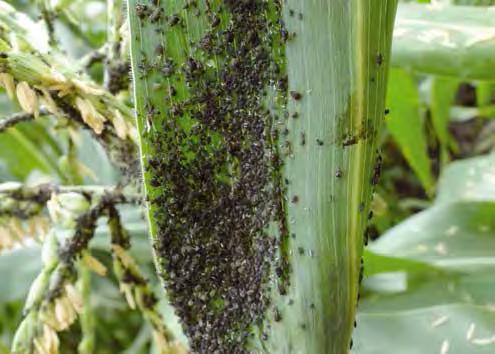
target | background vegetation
[{"x": 429, "y": 264}]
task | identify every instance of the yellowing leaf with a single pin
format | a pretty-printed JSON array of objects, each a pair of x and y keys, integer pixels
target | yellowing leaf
[
  {"x": 90, "y": 115},
  {"x": 27, "y": 98},
  {"x": 94, "y": 264},
  {"x": 49, "y": 102},
  {"x": 7, "y": 81},
  {"x": 120, "y": 125}
]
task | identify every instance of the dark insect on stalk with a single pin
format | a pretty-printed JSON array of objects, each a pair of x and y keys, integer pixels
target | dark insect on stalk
[
  {"x": 159, "y": 49},
  {"x": 174, "y": 20},
  {"x": 379, "y": 59},
  {"x": 296, "y": 95},
  {"x": 377, "y": 168},
  {"x": 351, "y": 140},
  {"x": 303, "y": 139},
  {"x": 156, "y": 15},
  {"x": 216, "y": 21},
  {"x": 141, "y": 11}
]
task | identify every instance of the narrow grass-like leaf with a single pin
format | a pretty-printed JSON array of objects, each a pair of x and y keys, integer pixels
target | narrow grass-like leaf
[
  {"x": 24, "y": 154},
  {"x": 485, "y": 93},
  {"x": 443, "y": 90},
  {"x": 405, "y": 123}
]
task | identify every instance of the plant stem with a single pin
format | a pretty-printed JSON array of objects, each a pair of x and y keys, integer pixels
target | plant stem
[
  {"x": 20, "y": 117},
  {"x": 203, "y": 76},
  {"x": 87, "y": 317},
  {"x": 338, "y": 60}
]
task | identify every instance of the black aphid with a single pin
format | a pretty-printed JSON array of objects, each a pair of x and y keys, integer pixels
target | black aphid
[
  {"x": 218, "y": 271},
  {"x": 350, "y": 140},
  {"x": 296, "y": 95},
  {"x": 216, "y": 21},
  {"x": 377, "y": 169},
  {"x": 379, "y": 59},
  {"x": 174, "y": 20},
  {"x": 159, "y": 49},
  {"x": 141, "y": 10}
]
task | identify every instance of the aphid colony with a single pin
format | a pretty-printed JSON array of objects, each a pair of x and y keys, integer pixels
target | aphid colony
[
  {"x": 215, "y": 164},
  {"x": 215, "y": 167}
]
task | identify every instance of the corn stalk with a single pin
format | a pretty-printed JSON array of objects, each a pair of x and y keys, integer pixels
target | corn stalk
[{"x": 258, "y": 124}]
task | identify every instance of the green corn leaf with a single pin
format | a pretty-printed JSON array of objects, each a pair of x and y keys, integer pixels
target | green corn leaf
[
  {"x": 405, "y": 292},
  {"x": 256, "y": 254},
  {"x": 474, "y": 2},
  {"x": 443, "y": 91},
  {"x": 440, "y": 328},
  {"x": 485, "y": 93},
  {"x": 23, "y": 151},
  {"x": 427, "y": 40},
  {"x": 405, "y": 123}
]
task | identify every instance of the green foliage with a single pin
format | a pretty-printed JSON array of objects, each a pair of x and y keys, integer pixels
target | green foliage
[
  {"x": 424, "y": 40},
  {"x": 443, "y": 92},
  {"x": 405, "y": 123},
  {"x": 440, "y": 283}
]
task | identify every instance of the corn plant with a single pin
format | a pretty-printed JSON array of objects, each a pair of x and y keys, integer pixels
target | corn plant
[{"x": 258, "y": 124}]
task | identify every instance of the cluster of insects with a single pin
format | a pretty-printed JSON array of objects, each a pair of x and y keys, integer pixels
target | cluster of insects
[
  {"x": 215, "y": 167},
  {"x": 216, "y": 162}
]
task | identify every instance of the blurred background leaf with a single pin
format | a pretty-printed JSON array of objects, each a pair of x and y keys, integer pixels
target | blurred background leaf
[{"x": 405, "y": 123}]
